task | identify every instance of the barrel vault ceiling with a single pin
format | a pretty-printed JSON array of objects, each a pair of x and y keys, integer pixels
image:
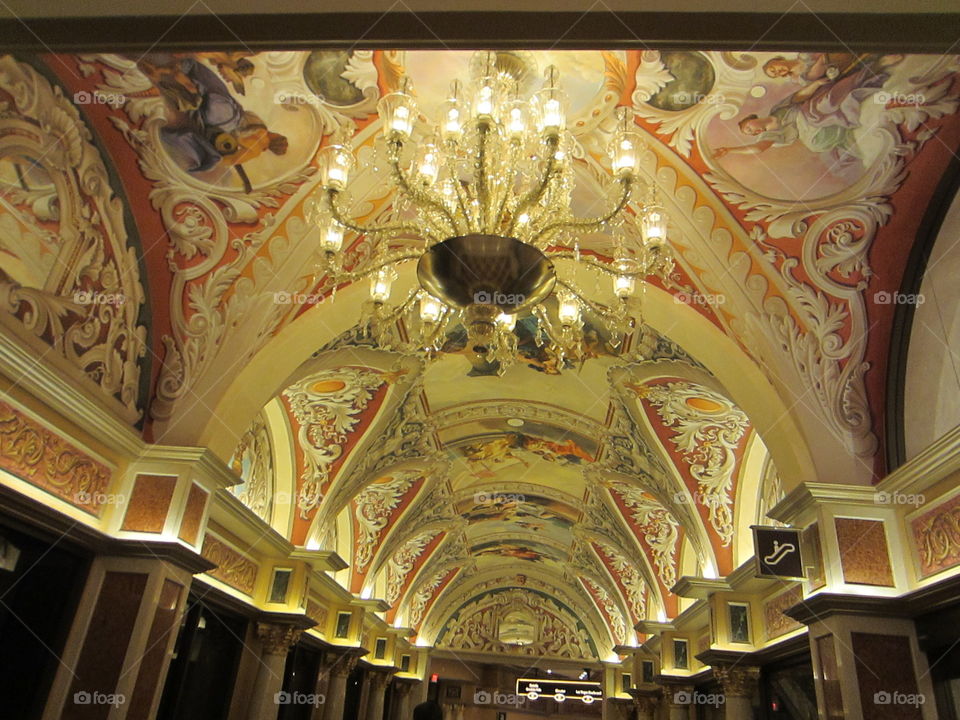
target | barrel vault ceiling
[{"x": 176, "y": 285}]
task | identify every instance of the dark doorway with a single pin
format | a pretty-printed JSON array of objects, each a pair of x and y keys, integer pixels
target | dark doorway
[
  {"x": 351, "y": 705},
  {"x": 300, "y": 683},
  {"x": 787, "y": 690},
  {"x": 202, "y": 673},
  {"x": 39, "y": 592},
  {"x": 939, "y": 636}
]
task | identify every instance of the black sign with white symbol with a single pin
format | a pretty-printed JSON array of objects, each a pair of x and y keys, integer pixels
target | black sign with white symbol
[
  {"x": 560, "y": 690},
  {"x": 777, "y": 551}
]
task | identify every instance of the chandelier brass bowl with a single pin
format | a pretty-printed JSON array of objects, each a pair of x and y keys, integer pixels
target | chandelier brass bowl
[{"x": 486, "y": 270}]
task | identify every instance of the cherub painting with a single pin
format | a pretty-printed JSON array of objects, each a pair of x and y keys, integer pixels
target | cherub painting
[
  {"x": 208, "y": 127},
  {"x": 823, "y": 113}
]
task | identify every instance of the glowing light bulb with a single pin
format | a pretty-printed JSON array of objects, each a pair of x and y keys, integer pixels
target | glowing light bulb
[
  {"x": 483, "y": 107},
  {"x": 401, "y": 120},
  {"x": 569, "y": 311},
  {"x": 507, "y": 321},
  {"x": 516, "y": 123},
  {"x": 331, "y": 237},
  {"x": 430, "y": 309},
  {"x": 428, "y": 166},
  {"x": 625, "y": 159},
  {"x": 335, "y": 162},
  {"x": 623, "y": 285},
  {"x": 654, "y": 224},
  {"x": 398, "y": 111},
  {"x": 552, "y": 114},
  {"x": 380, "y": 285}
]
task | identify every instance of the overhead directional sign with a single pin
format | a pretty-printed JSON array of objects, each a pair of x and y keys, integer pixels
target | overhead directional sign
[
  {"x": 777, "y": 552},
  {"x": 560, "y": 690}
]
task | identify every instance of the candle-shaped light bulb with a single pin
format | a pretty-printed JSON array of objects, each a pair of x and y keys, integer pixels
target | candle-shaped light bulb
[
  {"x": 654, "y": 225},
  {"x": 516, "y": 122},
  {"x": 335, "y": 162},
  {"x": 381, "y": 283},
  {"x": 453, "y": 113},
  {"x": 430, "y": 309},
  {"x": 331, "y": 237},
  {"x": 626, "y": 145},
  {"x": 397, "y": 110},
  {"x": 569, "y": 310},
  {"x": 428, "y": 163},
  {"x": 623, "y": 285},
  {"x": 549, "y": 103},
  {"x": 483, "y": 107}
]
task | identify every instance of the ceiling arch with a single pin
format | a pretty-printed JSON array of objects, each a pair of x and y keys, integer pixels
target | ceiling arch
[{"x": 645, "y": 461}]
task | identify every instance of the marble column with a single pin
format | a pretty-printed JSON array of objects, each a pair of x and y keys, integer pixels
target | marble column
[
  {"x": 322, "y": 687},
  {"x": 340, "y": 668},
  {"x": 679, "y": 700},
  {"x": 646, "y": 707},
  {"x": 276, "y": 640},
  {"x": 377, "y": 681},
  {"x": 400, "y": 707},
  {"x": 739, "y": 684},
  {"x": 123, "y": 633}
]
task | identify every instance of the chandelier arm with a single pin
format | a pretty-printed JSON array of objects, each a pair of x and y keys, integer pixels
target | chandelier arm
[
  {"x": 534, "y": 195},
  {"x": 498, "y": 219},
  {"x": 337, "y": 214},
  {"x": 611, "y": 317},
  {"x": 462, "y": 202},
  {"x": 418, "y": 195},
  {"x": 352, "y": 275},
  {"x": 589, "y": 223},
  {"x": 592, "y": 262},
  {"x": 482, "y": 190}
]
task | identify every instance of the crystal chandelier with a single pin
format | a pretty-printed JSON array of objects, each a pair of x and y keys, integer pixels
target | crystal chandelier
[{"x": 484, "y": 198}]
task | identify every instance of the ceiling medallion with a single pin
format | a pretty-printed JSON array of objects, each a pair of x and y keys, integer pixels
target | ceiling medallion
[{"x": 484, "y": 206}]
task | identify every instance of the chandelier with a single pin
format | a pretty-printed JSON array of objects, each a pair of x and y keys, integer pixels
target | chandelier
[{"x": 484, "y": 207}]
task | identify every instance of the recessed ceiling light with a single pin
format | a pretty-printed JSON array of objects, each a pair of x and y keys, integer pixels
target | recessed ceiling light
[{"x": 515, "y": 422}]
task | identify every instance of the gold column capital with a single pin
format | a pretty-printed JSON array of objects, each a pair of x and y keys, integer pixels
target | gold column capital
[
  {"x": 737, "y": 680},
  {"x": 277, "y": 638}
]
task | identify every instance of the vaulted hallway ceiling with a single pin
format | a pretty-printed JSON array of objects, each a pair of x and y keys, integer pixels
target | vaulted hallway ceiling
[{"x": 577, "y": 494}]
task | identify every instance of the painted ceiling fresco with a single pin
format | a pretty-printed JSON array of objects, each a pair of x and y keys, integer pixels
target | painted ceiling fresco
[{"x": 155, "y": 245}]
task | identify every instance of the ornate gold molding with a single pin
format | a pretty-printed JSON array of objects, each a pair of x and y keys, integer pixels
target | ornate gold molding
[
  {"x": 342, "y": 666},
  {"x": 35, "y": 454},
  {"x": 737, "y": 680},
  {"x": 232, "y": 569},
  {"x": 277, "y": 639}
]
